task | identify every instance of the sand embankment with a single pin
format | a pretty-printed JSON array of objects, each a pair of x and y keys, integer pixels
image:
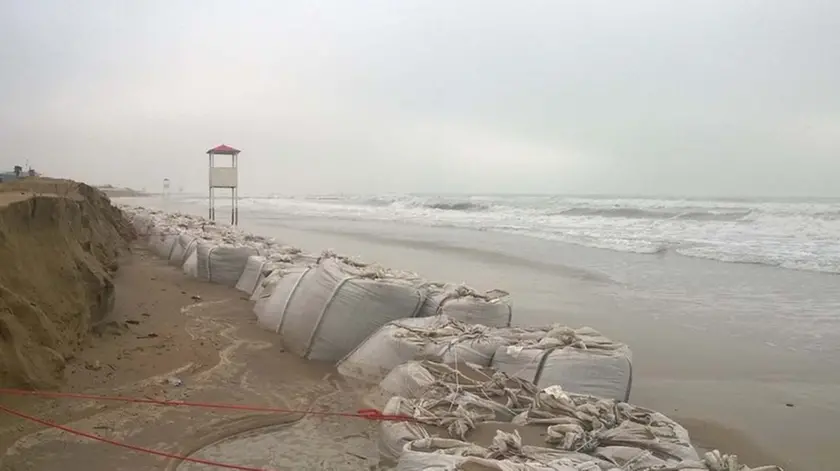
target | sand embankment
[{"x": 60, "y": 242}]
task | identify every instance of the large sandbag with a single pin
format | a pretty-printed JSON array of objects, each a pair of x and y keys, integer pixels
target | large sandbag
[
  {"x": 143, "y": 223},
  {"x": 436, "y": 338},
  {"x": 251, "y": 274},
  {"x": 418, "y": 379},
  {"x": 505, "y": 453},
  {"x": 277, "y": 290},
  {"x": 183, "y": 248},
  {"x": 254, "y": 278},
  {"x": 222, "y": 264},
  {"x": 627, "y": 436},
  {"x": 463, "y": 303},
  {"x": 338, "y": 304},
  {"x": 582, "y": 361},
  {"x": 190, "y": 266},
  {"x": 449, "y": 415},
  {"x": 161, "y": 244}
]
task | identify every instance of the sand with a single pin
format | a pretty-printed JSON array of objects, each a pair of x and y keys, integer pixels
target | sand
[
  {"x": 165, "y": 325},
  {"x": 59, "y": 245}
]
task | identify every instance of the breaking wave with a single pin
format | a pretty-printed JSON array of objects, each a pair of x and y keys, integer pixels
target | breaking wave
[{"x": 795, "y": 234}]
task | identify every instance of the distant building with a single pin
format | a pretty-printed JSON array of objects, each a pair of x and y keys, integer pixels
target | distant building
[{"x": 17, "y": 173}]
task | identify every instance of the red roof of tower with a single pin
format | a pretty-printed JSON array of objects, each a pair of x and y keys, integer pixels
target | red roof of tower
[{"x": 223, "y": 150}]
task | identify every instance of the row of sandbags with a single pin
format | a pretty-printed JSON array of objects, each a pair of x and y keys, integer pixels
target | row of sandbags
[
  {"x": 580, "y": 360},
  {"x": 505, "y": 398},
  {"x": 467, "y": 417},
  {"x": 371, "y": 319},
  {"x": 322, "y": 307}
]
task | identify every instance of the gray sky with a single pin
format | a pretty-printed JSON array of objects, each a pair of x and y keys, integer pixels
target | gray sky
[{"x": 655, "y": 97}]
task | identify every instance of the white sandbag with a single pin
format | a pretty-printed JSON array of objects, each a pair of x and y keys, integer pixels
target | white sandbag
[
  {"x": 161, "y": 244},
  {"x": 273, "y": 302},
  {"x": 436, "y": 338},
  {"x": 452, "y": 416},
  {"x": 190, "y": 266},
  {"x": 184, "y": 246},
  {"x": 265, "y": 286},
  {"x": 463, "y": 303},
  {"x": 627, "y": 436},
  {"x": 419, "y": 379},
  {"x": 506, "y": 453},
  {"x": 582, "y": 361},
  {"x": 251, "y": 274},
  {"x": 222, "y": 264},
  {"x": 337, "y": 305},
  {"x": 284, "y": 259},
  {"x": 143, "y": 224}
]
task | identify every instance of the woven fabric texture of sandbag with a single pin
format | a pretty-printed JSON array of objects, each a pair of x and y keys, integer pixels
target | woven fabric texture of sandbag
[
  {"x": 465, "y": 304},
  {"x": 222, "y": 264},
  {"x": 338, "y": 304},
  {"x": 581, "y": 360},
  {"x": 434, "y": 338},
  {"x": 162, "y": 243},
  {"x": 251, "y": 274},
  {"x": 276, "y": 292},
  {"x": 184, "y": 246}
]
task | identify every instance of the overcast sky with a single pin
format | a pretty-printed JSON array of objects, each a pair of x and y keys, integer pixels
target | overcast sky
[{"x": 638, "y": 97}]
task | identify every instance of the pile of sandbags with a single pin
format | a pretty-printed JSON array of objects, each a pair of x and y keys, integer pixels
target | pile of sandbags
[
  {"x": 465, "y": 304},
  {"x": 324, "y": 311},
  {"x": 627, "y": 436},
  {"x": 472, "y": 408},
  {"x": 436, "y": 338},
  {"x": 582, "y": 360}
]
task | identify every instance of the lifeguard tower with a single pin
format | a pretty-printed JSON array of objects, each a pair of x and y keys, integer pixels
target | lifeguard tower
[{"x": 224, "y": 176}]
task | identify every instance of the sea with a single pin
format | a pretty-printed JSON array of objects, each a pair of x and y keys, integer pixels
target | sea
[
  {"x": 801, "y": 234},
  {"x": 731, "y": 306}
]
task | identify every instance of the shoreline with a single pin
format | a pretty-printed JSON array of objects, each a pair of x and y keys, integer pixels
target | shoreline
[
  {"x": 741, "y": 385},
  {"x": 166, "y": 277}
]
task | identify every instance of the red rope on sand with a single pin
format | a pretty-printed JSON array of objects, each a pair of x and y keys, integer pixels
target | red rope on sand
[
  {"x": 125, "y": 445},
  {"x": 369, "y": 414}
]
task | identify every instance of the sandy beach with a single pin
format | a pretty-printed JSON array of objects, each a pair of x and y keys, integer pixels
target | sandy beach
[
  {"x": 166, "y": 325},
  {"x": 738, "y": 381},
  {"x": 171, "y": 337}
]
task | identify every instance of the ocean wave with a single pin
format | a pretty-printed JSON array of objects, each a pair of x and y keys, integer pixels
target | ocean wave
[
  {"x": 800, "y": 235},
  {"x": 635, "y": 213}
]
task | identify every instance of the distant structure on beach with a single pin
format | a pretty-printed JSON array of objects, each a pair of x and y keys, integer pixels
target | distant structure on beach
[
  {"x": 17, "y": 173},
  {"x": 224, "y": 177}
]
